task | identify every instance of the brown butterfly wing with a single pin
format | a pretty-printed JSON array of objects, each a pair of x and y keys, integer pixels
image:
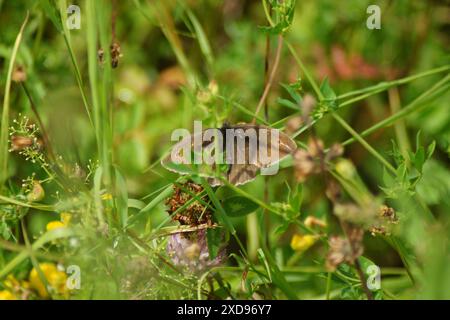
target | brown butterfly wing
[
  {"x": 286, "y": 145},
  {"x": 242, "y": 173},
  {"x": 175, "y": 157},
  {"x": 239, "y": 173}
]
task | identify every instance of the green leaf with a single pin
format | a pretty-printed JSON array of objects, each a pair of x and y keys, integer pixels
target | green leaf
[
  {"x": 419, "y": 159},
  {"x": 328, "y": 103},
  {"x": 201, "y": 37},
  {"x": 398, "y": 157},
  {"x": 121, "y": 198},
  {"x": 282, "y": 228},
  {"x": 430, "y": 149},
  {"x": 167, "y": 192},
  {"x": 214, "y": 240},
  {"x": 351, "y": 293},
  {"x": 136, "y": 204},
  {"x": 52, "y": 13},
  {"x": 288, "y": 104},
  {"x": 5, "y": 231},
  {"x": 293, "y": 90},
  {"x": 296, "y": 197},
  {"x": 238, "y": 206},
  {"x": 326, "y": 90},
  {"x": 284, "y": 15},
  {"x": 275, "y": 275}
]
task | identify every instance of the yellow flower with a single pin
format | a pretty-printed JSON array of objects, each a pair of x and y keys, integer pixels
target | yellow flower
[
  {"x": 66, "y": 217},
  {"x": 106, "y": 196},
  {"x": 25, "y": 284},
  {"x": 65, "y": 220},
  {"x": 52, "y": 225},
  {"x": 7, "y": 295},
  {"x": 11, "y": 282},
  {"x": 55, "y": 278},
  {"x": 14, "y": 289},
  {"x": 302, "y": 243}
]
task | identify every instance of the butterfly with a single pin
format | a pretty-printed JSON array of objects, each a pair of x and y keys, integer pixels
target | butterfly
[{"x": 232, "y": 152}]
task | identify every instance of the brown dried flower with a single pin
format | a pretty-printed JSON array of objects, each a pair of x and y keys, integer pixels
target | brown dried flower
[
  {"x": 345, "y": 250},
  {"x": 293, "y": 124},
  {"x": 386, "y": 218},
  {"x": 115, "y": 54},
  {"x": 308, "y": 105},
  {"x": 101, "y": 56},
  {"x": 195, "y": 213},
  {"x": 21, "y": 142},
  {"x": 314, "y": 160},
  {"x": 388, "y": 213},
  {"x": 19, "y": 74},
  {"x": 333, "y": 191}
]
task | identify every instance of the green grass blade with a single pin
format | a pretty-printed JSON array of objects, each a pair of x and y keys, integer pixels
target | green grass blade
[{"x": 5, "y": 112}]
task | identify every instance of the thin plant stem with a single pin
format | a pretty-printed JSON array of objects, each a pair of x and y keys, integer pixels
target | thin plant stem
[
  {"x": 79, "y": 79},
  {"x": 308, "y": 76},
  {"x": 405, "y": 111},
  {"x": 271, "y": 77},
  {"x": 385, "y": 85},
  {"x": 399, "y": 127},
  {"x": 366, "y": 145},
  {"x": 363, "y": 280},
  {"x": 33, "y": 259},
  {"x": 41, "y": 124}
]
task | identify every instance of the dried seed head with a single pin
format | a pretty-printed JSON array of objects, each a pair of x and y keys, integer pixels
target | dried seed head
[
  {"x": 378, "y": 230},
  {"x": 19, "y": 74},
  {"x": 115, "y": 54},
  {"x": 388, "y": 213},
  {"x": 333, "y": 191},
  {"x": 386, "y": 219},
  {"x": 307, "y": 105},
  {"x": 21, "y": 142},
  {"x": 195, "y": 213},
  {"x": 308, "y": 162},
  {"x": 315, "y": 147},
  {"x": 206, "y": 95},
  {"x": 304, "y": 165},
  {"x": 345, "y": 249},
  {"x": 293, "y": 124},
  {"x": 101, "y": 56}
]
